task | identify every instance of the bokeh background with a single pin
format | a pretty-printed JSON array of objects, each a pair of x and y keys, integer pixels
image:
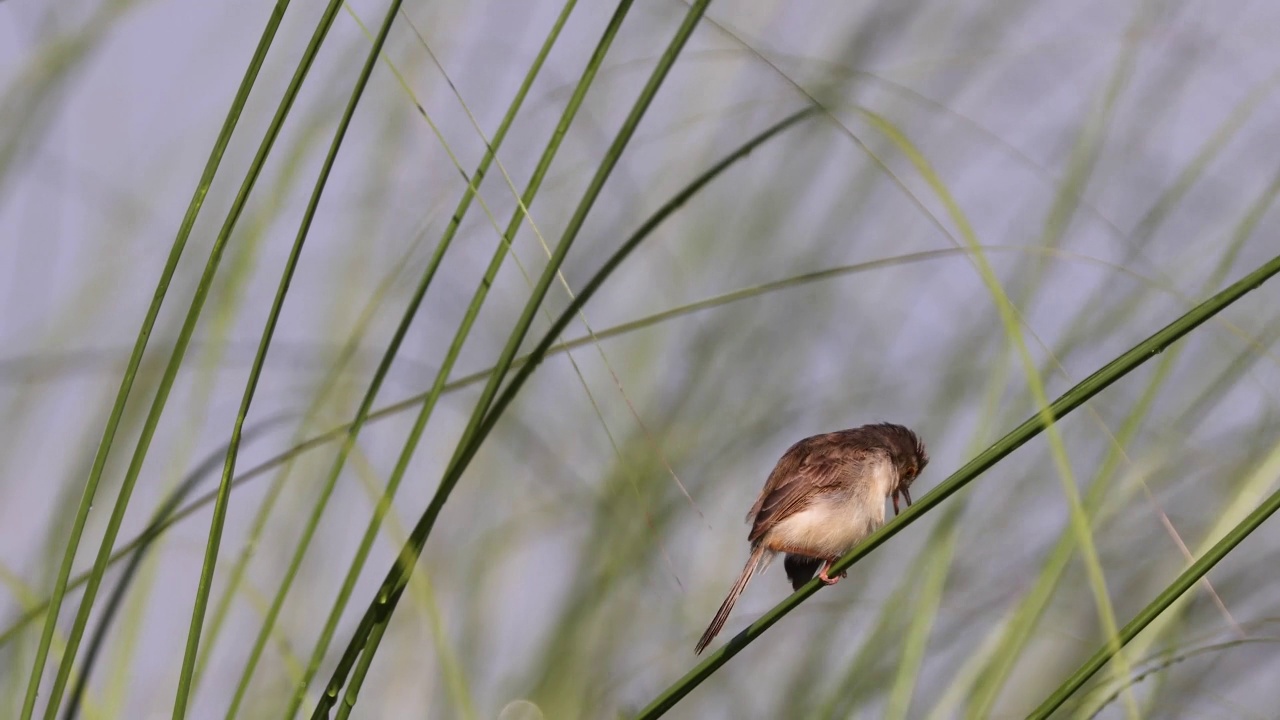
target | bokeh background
[{"x": 1116, "y": 162}]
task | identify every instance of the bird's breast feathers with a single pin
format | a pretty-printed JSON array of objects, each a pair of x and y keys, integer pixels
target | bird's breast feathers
[{"x": 831, "y": 525}]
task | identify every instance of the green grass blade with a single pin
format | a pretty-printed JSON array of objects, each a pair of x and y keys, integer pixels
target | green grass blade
[
  {"x": 113, "y": 604},
  {"x": 1166, "y": 660},
  {"x": 1254, "y": 486},
  {"x": 1010, "y": 317},
  {"x": 394, "y": 585},
  {"x": 455, "y": 348},
  {"x": 357, "y": 677},
  {"x": 251, "y": 385},
  {"x": 1034, "y": 605},
  {"x": 126, "y": 384},
  {"x": 485, "y": 415},
  {"x": 924, "y": 611},
  {"x": 366, "y": 404},
  {"x": 1185, "y": 581},
  {"x": 277, "y": 603},
  {"x": 1065, "y": 404},
  {"x": 325, "y": 390},
  {"x": 544, "y": 163},
  {"x": 304, "y": 139}
]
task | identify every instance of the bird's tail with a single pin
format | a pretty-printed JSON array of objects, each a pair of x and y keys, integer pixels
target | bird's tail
[{"x": 754, "y": 563}]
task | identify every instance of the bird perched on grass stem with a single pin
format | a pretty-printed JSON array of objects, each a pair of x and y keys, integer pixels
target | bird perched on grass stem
[{"x": 825, "y": 495}]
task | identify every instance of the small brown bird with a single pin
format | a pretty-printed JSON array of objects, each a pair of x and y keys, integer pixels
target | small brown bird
[{"x": 825, "y": 495}]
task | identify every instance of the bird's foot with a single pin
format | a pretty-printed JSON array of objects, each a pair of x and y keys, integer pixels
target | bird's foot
[{"x": 827, "y": 579}]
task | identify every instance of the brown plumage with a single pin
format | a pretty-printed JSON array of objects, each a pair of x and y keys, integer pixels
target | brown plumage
[{"x": 825, "y": 495}]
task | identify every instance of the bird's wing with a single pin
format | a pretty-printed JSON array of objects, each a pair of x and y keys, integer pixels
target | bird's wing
[{"x": 809, "y": 469}]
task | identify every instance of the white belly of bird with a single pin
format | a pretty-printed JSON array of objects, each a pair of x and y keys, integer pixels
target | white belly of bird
[{"x": 830, "y": 529}]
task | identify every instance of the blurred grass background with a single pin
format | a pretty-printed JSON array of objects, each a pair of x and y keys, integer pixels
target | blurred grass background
[{"x": 1116, "y": 161}]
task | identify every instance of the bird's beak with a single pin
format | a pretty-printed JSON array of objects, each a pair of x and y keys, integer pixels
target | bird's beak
[{"x": 906, "y": 494}]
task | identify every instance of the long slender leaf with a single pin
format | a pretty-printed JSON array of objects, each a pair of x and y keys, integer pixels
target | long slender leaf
[
  {"x": 455, "y": 348},
  {"x": 117, "y": 410},
  {"x": 277, "y": 603},
  {"x": 371, "y": 627},
  {"x": 138, "y": 554},
  {"x": 268, "y": 332},
  {"x": 1184, "y": 582}
]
